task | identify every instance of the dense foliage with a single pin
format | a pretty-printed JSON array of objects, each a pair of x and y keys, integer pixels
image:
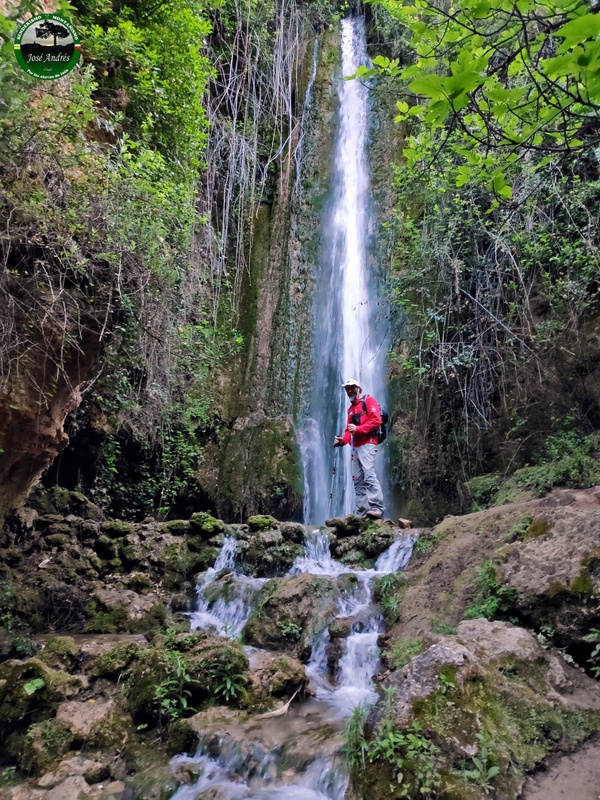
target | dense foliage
[{"x": 497, "y": 264}]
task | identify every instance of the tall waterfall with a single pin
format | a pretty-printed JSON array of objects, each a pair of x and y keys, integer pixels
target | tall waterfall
[{"x": 348, "y": 338}]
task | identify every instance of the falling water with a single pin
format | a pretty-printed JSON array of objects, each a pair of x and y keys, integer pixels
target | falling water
[
  {"x": 348, "y": 340},
  {"x": 225, "y": 601}
]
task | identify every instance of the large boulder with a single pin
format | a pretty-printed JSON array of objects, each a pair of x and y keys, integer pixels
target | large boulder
[
  {"x": 269, "y": 548},
  {"x": 555, "y": 571},
  {"x": 473, "y": 713},
  {"x": 291, "y": 612}
]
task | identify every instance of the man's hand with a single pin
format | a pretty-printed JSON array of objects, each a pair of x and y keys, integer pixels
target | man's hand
[
  {"x": 338, "y": 441},
  {"x": 352, "y": 428}
]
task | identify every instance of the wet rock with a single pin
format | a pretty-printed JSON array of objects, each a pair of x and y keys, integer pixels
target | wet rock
[
  {"x": 291, "y": 612},
  {"x": 275, "y": 676},
  {"x": 268, "y": 553},
  {"x": 293, "y": 532},
  {"x": 350, "y": 525}
]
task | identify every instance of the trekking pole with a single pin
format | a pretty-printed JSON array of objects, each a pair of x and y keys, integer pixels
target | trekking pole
[{"x": 333, "y": 471}]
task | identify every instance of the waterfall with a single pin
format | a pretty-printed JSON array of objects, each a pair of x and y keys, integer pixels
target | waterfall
[{"x": 348, "y": 338}]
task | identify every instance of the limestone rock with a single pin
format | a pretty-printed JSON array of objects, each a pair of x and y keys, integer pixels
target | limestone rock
[
  {"x": 291, "y": 612},
  {"x": 86, "y": 719},
  {"x": 275, "y": 676}
]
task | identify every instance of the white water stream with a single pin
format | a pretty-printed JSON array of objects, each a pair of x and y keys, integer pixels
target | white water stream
[
  {"x": 296, "y": 757},
  {"x": 252, "y": 771},
  {"x": 348, "y": 328}
]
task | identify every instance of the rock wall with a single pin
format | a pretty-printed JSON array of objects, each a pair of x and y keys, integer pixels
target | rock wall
[{"x": 255, "y": 466}]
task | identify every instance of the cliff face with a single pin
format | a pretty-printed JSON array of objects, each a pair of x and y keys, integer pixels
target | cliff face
[{"x": 255, "y": 465}]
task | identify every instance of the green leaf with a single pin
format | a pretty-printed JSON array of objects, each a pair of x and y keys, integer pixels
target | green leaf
[
  {"x": 431, "y": 86},
  {"x": 34, "y": 685},
  {"x": 579, "y": 30}
]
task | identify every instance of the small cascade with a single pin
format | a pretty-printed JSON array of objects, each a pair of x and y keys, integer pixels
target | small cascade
[
  {"x": 360, "y": 661},
  {"x": 323, "y": 780},
  {"x": 317, "y": 558},
  {"x": 395, "y": 558},
  {"x": 251, "y": 761},
  {"x": 225, "y": 600}
]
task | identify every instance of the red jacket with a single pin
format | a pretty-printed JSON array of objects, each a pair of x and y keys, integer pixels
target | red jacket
[{"x": 366, "y": 432}]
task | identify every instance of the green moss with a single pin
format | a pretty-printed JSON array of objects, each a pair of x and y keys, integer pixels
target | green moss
[
  {"x": 114, "y": 663},
  {"x": 105, "y": 620},
  {"x": 206, "y": 523},
  {"x": 59, "y": 651},
  {"x": 138, "y": 582},
  {"x": 556, "y": 588},
  {"x": 44, "y": 743},
  {"x": 583, "y": 584},
  {"x": 404, "y": 650},
  {"x": 177, "y": 527},
  {"x": 117, "y": 529},
  {"x": 261, "y": 522},
  {"x": 538, "y": 527}
]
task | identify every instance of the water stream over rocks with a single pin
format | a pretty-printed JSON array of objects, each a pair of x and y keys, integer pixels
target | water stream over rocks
[
  {"x": 294, "y": 756},
  {"x": 297, "y": 756}
]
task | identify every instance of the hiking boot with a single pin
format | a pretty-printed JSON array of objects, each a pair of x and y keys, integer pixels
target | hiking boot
[{"x": 374, "y": 513}]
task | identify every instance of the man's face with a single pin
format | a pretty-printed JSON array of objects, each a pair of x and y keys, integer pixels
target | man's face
[{"x": 352, "y": 392}]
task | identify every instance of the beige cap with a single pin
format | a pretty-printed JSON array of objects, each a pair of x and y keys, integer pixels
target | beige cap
[{"x": 351, "y": 382}]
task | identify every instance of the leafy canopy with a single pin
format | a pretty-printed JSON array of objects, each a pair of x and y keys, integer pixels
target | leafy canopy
[{"x": 496, "y": 80}]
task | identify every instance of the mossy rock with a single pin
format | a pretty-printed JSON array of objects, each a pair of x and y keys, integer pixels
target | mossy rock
[
  {"x": 206, "y": 524},
  {"x": 139, "y": 582},
  {"x": 57, "y": 539},
  {"x": 261, "y": 522},
  {"x": 104, "y": 619},
  {"x": 291, "y": 612},
  {"x": 537, "y": 527},
  {"x": 182, "y": 738},
  {"x": 59, "y": 651},
  {"x": 202, "y": 658},
  {"x": 106, "y": 548},
  {"x": 292, "y": 532},
  {"x": 117, "y": 529},
  {"x": 44, "y": 744},
  {"x": 350, "y": 525},
  {"x": 116, "y": 662},
  {"x": 30, "y": 691},
  {"x": 490, "y": 693},
  {"x": 176, "y": 527},
  {"x": 153, "y": 783}
]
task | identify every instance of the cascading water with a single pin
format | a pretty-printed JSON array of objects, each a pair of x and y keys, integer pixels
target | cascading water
[
  {"x": 253, "y": 771},
  {"x": 348, "y": 334},
  {"x": 348, "y": 341},
  {"x": 225, "y": 601}
]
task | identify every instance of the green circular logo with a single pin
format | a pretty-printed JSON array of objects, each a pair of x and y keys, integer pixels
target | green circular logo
[{"x": 47, "y": 46}]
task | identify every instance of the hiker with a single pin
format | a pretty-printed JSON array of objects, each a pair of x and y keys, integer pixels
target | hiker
[{"x": 364, "y": 419}]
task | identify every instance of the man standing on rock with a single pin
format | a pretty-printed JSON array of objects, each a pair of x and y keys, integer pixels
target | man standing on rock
[{"x": 364, "y": 419}]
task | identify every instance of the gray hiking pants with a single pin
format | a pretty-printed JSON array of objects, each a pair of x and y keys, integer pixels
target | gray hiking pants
[{"x": 366, "y": 486}]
